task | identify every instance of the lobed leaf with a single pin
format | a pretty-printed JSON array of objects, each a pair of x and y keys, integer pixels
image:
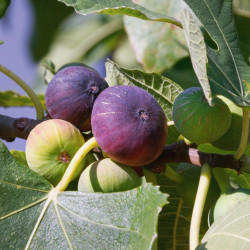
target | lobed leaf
[
  {"x": 119, "y": 7},
  {"x": 229, "y": 232},
  {"x": 228, "y": 73},
  {"x": 33, "y": 215}
]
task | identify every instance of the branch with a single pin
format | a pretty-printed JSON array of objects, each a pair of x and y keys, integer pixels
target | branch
[
  {"x": 180, "y": 152},
  {"x": 10, "y": 128}
]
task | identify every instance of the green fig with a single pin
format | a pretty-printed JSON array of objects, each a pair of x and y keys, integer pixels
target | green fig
[
  {"x": 196, "y": 120},
  {"x": 107, "y": 176},
  {"x": 50, "y": 147}
]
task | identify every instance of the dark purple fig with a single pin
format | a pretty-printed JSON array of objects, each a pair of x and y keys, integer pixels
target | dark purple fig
[
  {"x": 129, "y": 125},
  {"x": 71, "y": 94}
]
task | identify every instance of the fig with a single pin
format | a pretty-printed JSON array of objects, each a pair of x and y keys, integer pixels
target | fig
[
  {"x": 227, "y": 202},
  {"x": 129, "y": 125},
  {"x": 196, "y": 120},
  {"x": 231, "y": 139},
  {"x": 76, "y": 64},
  {"x": 71, "y": 93},
  {"x": 50, "y": 147},
  {"x": 107, "y": 176}
]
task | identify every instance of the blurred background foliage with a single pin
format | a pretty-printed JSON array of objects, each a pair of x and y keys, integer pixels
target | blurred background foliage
[{"x": 61, "y": 36}]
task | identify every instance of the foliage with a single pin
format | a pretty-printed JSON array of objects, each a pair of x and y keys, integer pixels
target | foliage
[{"x": 163, "y": 47}]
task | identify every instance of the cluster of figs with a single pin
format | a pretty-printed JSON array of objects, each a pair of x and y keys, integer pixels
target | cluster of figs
[{"x": 128, "y": 124}]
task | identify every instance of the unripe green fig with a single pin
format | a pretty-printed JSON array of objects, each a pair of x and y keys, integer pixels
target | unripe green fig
[
  {"x": 196, "y": 120},
  {"x": 231, "y": 139},
  {"x": 227, "y": 202},
  {"x": 107, "y": 176},
  {"x": 50, "y": 147}
]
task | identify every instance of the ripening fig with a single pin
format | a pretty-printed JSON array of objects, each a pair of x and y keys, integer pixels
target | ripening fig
[
  {"x": 71, "y": 93},
  {"x": 107, "y": 176},
  {"x": 231, "y": 139},
  {"x": 129, "y": 125},
  {"x": 227, "y": 202},
  {"x": 196, "y": 120},
  {"x": 50, "y": 147}
]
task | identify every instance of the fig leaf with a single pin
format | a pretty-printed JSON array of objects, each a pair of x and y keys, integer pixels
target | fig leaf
[
  {"x": 161, "y": 88},
  {"x": 231, "y": 81},
  {"x": 197, "y": 50},
  {"x": 157, "y": 45},
  {"x": 11, "y": 98},
  {"x": 229, "y": 232},
  {"x": 33, "y": 215},
  {"x": 120, "y": 7}
]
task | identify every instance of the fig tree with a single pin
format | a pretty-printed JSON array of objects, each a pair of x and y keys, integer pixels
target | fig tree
[
  {"x": 227, "y": 202},
  {"x": 50, "y": 147},
  {"x": 129, "y": 125},
  {"x": 107, "y": 176},
  {"x": 196, "y": 120},
  {"x": 231, "y": 139},
  {"x": 71, "y": 93}
]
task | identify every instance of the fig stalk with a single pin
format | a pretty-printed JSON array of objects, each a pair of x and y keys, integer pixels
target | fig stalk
[
  {"x": 27, "y": 89},
  {"x": 80, "y": 154},
  {"x": 199, "y": 203},
  {"x": 244, "y": 135}
]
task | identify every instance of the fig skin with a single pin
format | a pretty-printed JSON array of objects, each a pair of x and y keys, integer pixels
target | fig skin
[
  {"x": 231, "y": 139},
  {"x": 107, "y": 176},
  {"x": 129, "y": 125},
  {"x": 227, "y": 202},
  {"x": 196, "y": 120},
  {"x": 71, "y": 93},
  {"x": 50, "y": 147}
]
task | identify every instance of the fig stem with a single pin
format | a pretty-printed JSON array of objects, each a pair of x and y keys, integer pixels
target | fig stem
[
  {"x": 244, "y": 135},
  {"x": 200, "y": 199},
  {"x": 222, "y": 180},
  {"x": 173, "y": 175},
  {"x": 34, "y": 98},
  {"x": 80, "y": 154}
]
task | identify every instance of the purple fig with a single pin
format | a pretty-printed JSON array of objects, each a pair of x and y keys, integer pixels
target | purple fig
[
  {"x": 71, "y": 93},
  {"x": 129, "y": 125}
]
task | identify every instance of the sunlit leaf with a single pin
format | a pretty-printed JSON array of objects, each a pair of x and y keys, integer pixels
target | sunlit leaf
[
  {"x": 157, "y": 45},
  {"x": 197, "y": 49},
  {"x": 33, "y": 215},
  {"x": 228, "y": 73},
  {"x": 119, "y": 7},
  {"x": 229, "y": 232}
]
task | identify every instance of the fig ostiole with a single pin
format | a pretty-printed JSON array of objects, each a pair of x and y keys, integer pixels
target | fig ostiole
[
  {"x": 71, "y": 93},
  {"x": 231, "y": 139},
  {"x": 50, "y": 147},
  {"x": 107, "y": 176},
  {"x": 228, "y": 202},
  {"x": 196, "y": 120},
  {"x": 129, "y": 125}
]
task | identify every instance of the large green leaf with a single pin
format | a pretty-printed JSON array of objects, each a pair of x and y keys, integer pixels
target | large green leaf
[
  {"x": 161, "y": 88},
  {"x": 231, "y": 231},
  {"x": 197, "y": 50},
  {"x": 157, "y": 45},
  {"x": 119, "y": 7},
  {"x": 228, "y": 73},
  {"x": 11, "y": 98},
  {"x": 33, "y": 215}
]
